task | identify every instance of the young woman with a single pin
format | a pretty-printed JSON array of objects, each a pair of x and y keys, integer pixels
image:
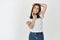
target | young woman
[{"x": 36, "y": 23}]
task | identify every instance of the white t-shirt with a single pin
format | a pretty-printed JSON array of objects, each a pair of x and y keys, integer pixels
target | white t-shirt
[{"x": 38, "y": 26}]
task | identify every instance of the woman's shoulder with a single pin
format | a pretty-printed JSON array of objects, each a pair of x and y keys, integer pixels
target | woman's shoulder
[{"x": 28, "y": 19}]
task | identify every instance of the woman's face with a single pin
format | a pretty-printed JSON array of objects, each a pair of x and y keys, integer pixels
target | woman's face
[{"x": 36, "y": 9}]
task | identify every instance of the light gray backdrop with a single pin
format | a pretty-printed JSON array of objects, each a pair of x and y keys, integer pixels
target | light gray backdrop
[{"x": 13, "y": 15}]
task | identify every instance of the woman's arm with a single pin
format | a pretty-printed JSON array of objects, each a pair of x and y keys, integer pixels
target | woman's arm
[
  {"x": 44, "y": 8},
  {"x": 31, "y": 23}
]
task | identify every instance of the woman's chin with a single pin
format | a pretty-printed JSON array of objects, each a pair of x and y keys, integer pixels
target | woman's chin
[{"x": 34, "y": 13}]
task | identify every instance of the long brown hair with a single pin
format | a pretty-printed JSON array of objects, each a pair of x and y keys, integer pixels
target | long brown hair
[{"x": 31, "y": 17}]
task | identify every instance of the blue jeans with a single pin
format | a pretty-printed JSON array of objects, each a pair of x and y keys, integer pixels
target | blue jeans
[{"x": 33, "y": 36}]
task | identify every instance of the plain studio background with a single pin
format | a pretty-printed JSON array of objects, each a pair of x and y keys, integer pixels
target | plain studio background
[{"x": 13, "y": 15}]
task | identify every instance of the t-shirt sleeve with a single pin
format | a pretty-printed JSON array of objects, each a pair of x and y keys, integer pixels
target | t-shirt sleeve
[{"x": 28, "y": 19}]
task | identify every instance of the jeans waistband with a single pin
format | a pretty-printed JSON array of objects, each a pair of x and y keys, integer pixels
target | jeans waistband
[{"x": 37, "y": 32}]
